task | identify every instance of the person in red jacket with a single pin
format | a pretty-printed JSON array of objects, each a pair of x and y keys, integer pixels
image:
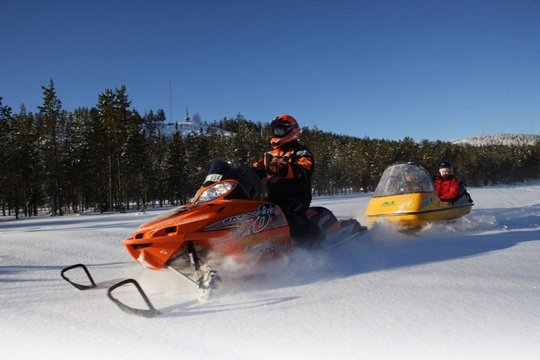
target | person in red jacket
[
  {"x": 288, "y": 168},
  {"x": 446, "y": 184}
]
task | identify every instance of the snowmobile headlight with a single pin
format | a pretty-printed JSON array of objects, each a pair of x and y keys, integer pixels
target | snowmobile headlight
[{"x": 215, "y": 191}]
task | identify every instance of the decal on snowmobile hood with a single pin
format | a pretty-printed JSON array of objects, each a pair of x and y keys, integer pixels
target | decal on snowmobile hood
[{"x": 257, "y": 220}]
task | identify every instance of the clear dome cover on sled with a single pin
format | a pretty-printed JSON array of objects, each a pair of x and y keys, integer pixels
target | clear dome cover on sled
[{"x": 404, "y": 179}]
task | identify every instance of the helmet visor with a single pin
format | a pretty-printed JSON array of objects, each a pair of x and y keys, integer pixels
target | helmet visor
[{"x": 280, "y": 131}]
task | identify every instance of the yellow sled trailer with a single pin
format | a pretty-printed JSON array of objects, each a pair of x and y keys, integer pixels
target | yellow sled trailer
[{"x": 406, "y": 196}]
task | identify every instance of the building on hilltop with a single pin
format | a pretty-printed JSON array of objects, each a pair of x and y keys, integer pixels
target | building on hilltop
[{"x": 195, "y": 126}]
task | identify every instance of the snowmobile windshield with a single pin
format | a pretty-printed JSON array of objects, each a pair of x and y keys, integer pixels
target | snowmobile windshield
[
  {"x": 250, "y": 184},
  {"x": 404, "y": 179},
  {"x": 219, "y": 169}
]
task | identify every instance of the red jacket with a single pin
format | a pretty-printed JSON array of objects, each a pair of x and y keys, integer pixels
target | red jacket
[{"x": 447, "y": 187}]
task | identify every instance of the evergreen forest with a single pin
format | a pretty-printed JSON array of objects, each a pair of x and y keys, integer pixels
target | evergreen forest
[{"x": 112, "y": 158}]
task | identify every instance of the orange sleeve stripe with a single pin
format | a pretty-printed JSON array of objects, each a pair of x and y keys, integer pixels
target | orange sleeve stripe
[{"x": 305, "y": 162}]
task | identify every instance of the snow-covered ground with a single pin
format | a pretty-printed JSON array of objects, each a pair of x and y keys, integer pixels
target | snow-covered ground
[{"x": 467, "y": 290}]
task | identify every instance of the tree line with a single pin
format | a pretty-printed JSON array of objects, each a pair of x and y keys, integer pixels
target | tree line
[{"x": 112, "y": 158}]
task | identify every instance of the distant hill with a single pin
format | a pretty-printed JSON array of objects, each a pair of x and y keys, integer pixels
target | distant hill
[{"x": 500, "y": 139}]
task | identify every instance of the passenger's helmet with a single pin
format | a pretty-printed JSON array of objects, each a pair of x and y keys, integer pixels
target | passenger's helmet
[
  {"x": 446, "y": 165},
  {"x": 412, "y": 162},
  {"x": 285, "y": 130}
]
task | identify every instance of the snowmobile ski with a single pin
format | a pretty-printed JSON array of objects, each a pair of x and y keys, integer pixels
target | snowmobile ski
[
  {"x": 150, "y": 312},
  {"x": 78, "y": 285}
]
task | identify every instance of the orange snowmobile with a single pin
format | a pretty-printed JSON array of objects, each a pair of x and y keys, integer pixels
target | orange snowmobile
[{"x": 226, "y": 218}]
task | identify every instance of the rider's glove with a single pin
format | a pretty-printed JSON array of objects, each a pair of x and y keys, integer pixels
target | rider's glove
[{"x": 278, "y": 167}]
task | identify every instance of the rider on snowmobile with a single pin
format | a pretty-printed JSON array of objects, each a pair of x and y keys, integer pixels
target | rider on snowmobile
[{"x": 288, "y": 168}]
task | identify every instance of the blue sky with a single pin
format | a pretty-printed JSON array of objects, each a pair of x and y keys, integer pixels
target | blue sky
[{"x": 436, "y": 70}]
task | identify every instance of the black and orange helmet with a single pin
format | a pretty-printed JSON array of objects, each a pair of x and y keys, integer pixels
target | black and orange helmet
[{"x": 285, "y": 130}]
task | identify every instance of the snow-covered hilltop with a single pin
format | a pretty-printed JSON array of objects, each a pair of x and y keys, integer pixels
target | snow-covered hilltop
[
  {"x": 500, "y": 139},
  {"x": 189, "y": 128},
  {"x": 193, "y": 126}
]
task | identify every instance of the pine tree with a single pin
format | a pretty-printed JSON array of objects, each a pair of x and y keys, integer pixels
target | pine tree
[
  {"x": 5, "y": 118},
  {"x": 178, "y": 189},
  {"x": 156, "y": 181},
  {"x": 50, "y": 114},
  {"x": 114, "y": 113}
]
